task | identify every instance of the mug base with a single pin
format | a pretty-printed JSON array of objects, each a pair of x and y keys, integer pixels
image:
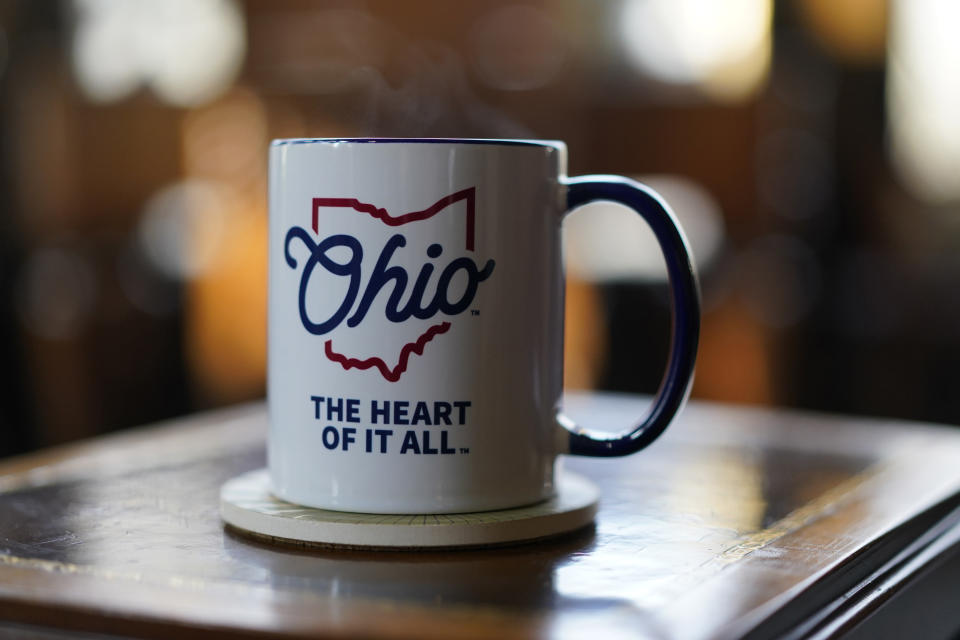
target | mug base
[{"x": 247, "y": 505}]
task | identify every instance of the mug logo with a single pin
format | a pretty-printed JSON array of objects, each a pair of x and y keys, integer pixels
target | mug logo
[{"x": 341, "y": 256}]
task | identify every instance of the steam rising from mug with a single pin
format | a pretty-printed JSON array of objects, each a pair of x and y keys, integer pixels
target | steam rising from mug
[{"x": 396, "y": 86}]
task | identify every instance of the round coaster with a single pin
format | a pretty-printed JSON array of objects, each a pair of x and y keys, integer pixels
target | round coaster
[{"x": 246, "y": 503}]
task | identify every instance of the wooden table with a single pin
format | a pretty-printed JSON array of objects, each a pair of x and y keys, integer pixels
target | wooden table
[{"x": 737, "y": 522}]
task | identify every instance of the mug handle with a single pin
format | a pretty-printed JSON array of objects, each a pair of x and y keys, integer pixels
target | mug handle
[{"x": 684, "y": 312}]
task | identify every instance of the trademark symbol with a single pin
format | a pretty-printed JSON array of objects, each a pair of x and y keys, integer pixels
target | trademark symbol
[
  {"x": 464, "y": 450},
  {"x": 474, "y": 312}
]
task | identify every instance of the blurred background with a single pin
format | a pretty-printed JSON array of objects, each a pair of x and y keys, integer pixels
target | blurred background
[{"x": 810, "y": 147}]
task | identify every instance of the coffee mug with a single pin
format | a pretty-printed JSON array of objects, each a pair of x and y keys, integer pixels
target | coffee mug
[{"x": 416, "y": 302}]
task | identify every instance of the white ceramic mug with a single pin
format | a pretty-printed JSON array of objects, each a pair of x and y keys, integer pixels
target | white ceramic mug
[{"x": 416, "y": 322}]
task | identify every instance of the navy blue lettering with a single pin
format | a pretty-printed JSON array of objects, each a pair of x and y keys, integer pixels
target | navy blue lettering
[
  {"x": 441, "y": 412},
  {"x": 331, "y": 437},
  {"x": 410, "y": 442},
  {"x": 353, "y": 410},
  {"x": 426, "y": 444},
  {"x": 400, "y": 412},
  {"x": 335, "y": 408},
  {"x": 349, "y": 437},
  {"x": 383, "y": 275},
  {"x": 384, "y": 434},
  {"x": 444, "y": 449},
  {"x": 318, "y": 255},
  {"x": 421, "y": 414},
  {"x": 382, "y": 412},
  {"x": 462, "y": 405},
  {"x": 413, "y": 307},
  {"x": 474, "y": 278}
]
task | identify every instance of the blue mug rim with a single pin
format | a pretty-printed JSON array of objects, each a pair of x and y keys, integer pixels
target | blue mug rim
[{"x": 507, "y": 142}]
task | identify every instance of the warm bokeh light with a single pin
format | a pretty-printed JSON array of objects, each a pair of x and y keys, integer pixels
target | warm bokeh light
[
  {"x": 226, "y": 303},
  {"x": 585, "y": 341},
  {"x": 226, "y": 313},
  {"x": 923, "y": 97},
  {"x": 183, "y": 226},
  {"x": 855, "y": 31},
  {"x": 721, "y": 47},
  {"x": 187, "y": 51},
  {"x": 607, "y": 242},
  {"x": 735, "y": 361}
]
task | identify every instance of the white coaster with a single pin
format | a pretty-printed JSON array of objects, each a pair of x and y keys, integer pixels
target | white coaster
[{"x": 246, "y": 503}]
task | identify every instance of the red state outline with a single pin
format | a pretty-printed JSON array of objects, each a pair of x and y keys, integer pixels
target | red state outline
[
  {"x": 469, "y": 194},
  {"x": 392, "y": 375}
]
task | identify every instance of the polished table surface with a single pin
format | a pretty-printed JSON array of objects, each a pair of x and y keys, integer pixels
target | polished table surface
[{"x": 739, "y": 521}]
